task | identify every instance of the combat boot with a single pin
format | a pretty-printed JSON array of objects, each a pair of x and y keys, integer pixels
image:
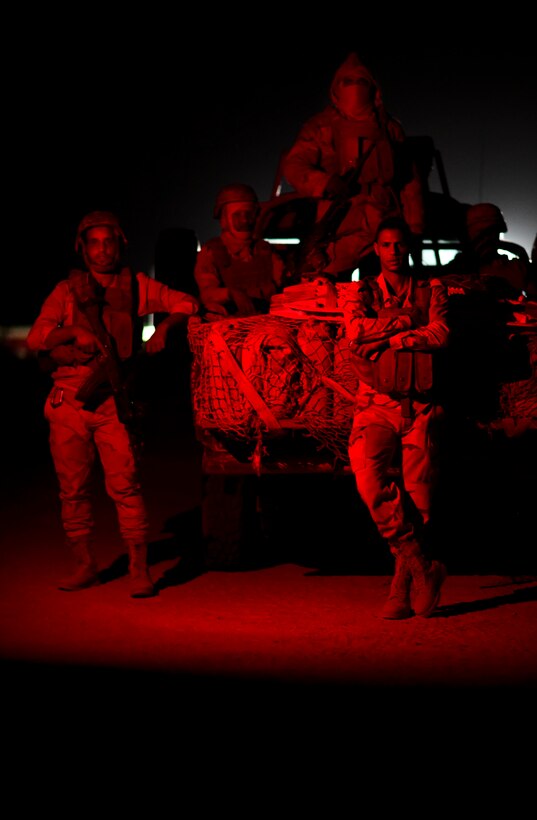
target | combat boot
[
  {"x": 427, "y": 580},
  {"x": 398, "y": 605},
  {"x": 140, "y": 580},
  {"x": 86, "y": 574}
]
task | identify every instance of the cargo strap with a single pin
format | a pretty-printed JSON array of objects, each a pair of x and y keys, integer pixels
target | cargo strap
[{"x": 229, "y": 361}]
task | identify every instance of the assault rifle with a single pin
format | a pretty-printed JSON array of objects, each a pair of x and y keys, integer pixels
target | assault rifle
[
  {"x": 312, "y": 255},
  {"x": 108, "y": 371}
]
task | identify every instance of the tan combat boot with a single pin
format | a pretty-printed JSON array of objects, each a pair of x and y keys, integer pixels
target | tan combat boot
[
  {"x": 140, "y": 580},
  {"x": 398, "y": 604},
  {"x": 86, "y": 574},
  {"x": 427, "y": 580}
]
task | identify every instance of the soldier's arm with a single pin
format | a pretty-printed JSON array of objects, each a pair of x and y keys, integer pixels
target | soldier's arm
[
  {"x": 301, "y": 164},
  {"x": 436, "y": 332},
  {"x": 210, "y": 285}
]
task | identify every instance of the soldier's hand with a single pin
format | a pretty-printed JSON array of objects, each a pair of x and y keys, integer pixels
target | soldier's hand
[
  {"x": 216, "y": 308},
  {"x": 157, "y": 341},
  {"x": 70, "y": 354},
  {"x": 85, "y": 340},
  {"x": 371, "y": 350}
]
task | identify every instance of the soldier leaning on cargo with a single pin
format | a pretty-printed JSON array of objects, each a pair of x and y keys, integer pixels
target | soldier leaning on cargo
[
  {"x": 395, "y": 333},
  {"x": 237, "y": 274},
  {"x": 81, "y": 429}
]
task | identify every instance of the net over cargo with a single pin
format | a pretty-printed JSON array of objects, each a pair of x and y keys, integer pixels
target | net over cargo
[{"x": 263, "y": 374}]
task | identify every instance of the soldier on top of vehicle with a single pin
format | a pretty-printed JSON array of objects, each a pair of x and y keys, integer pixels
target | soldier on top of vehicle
[{"x": 355, "y": 148}]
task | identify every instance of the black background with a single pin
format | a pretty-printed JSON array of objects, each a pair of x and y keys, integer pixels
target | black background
[{"x": 148, "y": 113}]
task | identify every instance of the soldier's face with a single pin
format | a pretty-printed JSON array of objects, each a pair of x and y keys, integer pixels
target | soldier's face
[
  {"x": 392, "y": 250},
  {"x": 239, "y": 218},
  {"x": 354, "y": 93},
  {"x": 101, "y": 249}
]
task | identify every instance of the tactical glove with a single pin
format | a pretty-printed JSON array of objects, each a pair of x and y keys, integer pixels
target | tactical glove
[{"x": 371, "y": 350}]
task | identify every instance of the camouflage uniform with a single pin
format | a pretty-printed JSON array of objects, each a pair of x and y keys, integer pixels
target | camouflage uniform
[
  {"x": 330, "y": 143},
  {"x": 382, "y": 421},
  {"x": 79, "y": 431}
]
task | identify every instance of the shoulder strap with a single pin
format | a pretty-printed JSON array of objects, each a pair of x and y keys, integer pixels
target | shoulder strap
[{"x": 84, "y": 289}]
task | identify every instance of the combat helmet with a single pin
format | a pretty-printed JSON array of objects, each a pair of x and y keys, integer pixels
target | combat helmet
[
  {"x": 484, "y": 217},
  {"x": 237, "y": 192},
  {"x": 97, "y": 219}
]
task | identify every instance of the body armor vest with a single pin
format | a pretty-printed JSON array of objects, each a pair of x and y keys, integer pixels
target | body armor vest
[
  {"x": 254, "y": 277},
  {"x": 118, "y": 306},
  {"x": 405, "y": 372}
]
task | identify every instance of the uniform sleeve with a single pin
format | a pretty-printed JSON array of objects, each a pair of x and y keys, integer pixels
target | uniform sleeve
[
  {"x": 210, "y": 285},
  {"x": 364, "y": 330},
  {"x": 301, "y": 165},
  {"x": 436, "y": 332},
  {"x": 51, "y": 316},
  {"x": 156, "y": 297}
]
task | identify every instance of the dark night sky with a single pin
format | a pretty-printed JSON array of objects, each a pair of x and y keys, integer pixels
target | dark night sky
[{"x": 150, "y": 116}]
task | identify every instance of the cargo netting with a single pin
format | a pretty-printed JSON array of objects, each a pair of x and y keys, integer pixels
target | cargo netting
[{"x": 264, "y": 373}]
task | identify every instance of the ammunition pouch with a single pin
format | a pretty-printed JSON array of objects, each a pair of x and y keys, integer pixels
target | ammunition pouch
[{"x": 405, "y": 373}]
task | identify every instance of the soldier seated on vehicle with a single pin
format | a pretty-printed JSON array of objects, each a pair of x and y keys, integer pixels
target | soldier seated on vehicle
[
  {"x": 355, "y": 152},
  {"x": 236, "y": 273}
]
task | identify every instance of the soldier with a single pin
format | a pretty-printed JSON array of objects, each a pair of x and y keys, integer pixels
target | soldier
[
  {"x": 354, "y": 135},
  {"x": 89, "y": 318},
  {"x": 237, "y": 274},
  {"x": 394, "y": 331},
  {"x": 481, "y": 265}
]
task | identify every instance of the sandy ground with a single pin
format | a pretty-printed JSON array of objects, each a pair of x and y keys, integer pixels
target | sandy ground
[
  {"x": 306, "y": 610},
  {"x": 287, "y": 654}
]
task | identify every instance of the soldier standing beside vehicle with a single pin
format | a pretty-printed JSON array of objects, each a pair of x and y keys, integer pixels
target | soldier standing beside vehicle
[
  {"x": 89, "y": 317},
  {"x": 237, "y": 274},
  {"x": 395, "y": 334},
  {"x": 355, "y": 130}
]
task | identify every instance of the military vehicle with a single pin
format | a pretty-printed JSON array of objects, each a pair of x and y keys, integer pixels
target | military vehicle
[{"x": 272, "y": 394}]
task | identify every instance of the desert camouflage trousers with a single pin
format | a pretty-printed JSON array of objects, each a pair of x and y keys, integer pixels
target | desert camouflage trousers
[
  {"x": 381, "y": 437},
  {"x": 76, "y": 437}
]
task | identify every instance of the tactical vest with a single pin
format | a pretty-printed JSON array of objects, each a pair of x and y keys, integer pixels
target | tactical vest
[
  {"x": 118, "y": 306},
  {"x": 406, "y": 372},
  {"x": 253, "y": 277}
]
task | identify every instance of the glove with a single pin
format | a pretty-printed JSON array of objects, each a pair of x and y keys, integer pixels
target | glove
[
  {"x": 213, "y": 308},
  {"x": 371, "y": 350}
]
